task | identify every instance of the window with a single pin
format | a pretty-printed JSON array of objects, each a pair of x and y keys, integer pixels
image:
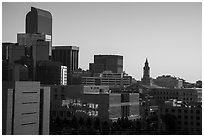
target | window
[
  {"x": 55, "y": 97},
  {"x": 185, "y": 123},
  {"x": 191, "y": 111},
  {"x": 191, "y": 117},
  {"x": 179, "y": 122},
  {"x": 179, "y": 116},
  {"x": 191, "y": 129},
  {"x": 192, "y": 123},
  {"x": 62, "y": 97},
  {"x": 172, "y": 110},
  {"x": 198, "y": 123},
  {"x": 62, "y": 89},
  {"x": 198, "y": 130},
  {"x": 179, "y": 110},
  {"x": 197, "y": 111},
  {"x": 197, "y": 118},
  {"x": 185, "y": 111},
  {"x": 166, "y": 110},
  {"x": 186, "y": 117}
]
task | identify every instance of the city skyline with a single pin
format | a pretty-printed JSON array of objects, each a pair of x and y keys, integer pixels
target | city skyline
[{"x": 170, "y": 39}]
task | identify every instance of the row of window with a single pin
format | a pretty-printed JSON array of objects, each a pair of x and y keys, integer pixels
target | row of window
[
  {"x": 186, "y": 123},
  {"x": 171, "y": 93},
  {"x": 180, "y": 110},
  {"x": 198, "y": 130},
  {"x": 187, "y": 99},
  {"x": 186, "y": 117}
]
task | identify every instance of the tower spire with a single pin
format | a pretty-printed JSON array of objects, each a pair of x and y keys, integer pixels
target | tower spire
[{"x": 146, "y": 73}]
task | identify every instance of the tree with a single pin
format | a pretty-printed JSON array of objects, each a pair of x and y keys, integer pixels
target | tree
[
  {"x": 74, "y": 122},
  {"x": 105, "y": 128},
  {"x": 88, "y": 122},
  {"x": 97, "y": 123},
  {"x": 171, "y": 122},
  {"x": 81, "y": 121}
]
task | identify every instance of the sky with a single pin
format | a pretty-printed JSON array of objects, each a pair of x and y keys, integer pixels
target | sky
[{"x": 169, "y": 35}]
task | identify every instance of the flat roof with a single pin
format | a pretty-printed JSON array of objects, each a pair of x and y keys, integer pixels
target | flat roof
[{"x": 66, "y": 47}]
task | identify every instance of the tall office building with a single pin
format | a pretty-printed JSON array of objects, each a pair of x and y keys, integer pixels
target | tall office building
[
  {"x": 25, "y": 108},
  {"x": 39, "y": 21},
  {"x": 102, "y": 63},
  {"x": 67, "y": 55}
]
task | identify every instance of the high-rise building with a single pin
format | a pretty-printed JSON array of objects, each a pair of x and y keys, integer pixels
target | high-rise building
[
  {"x": 67, "y": 55},
  {"x": 25, "y": 108},
  {"x": 112, "y": 63},
  {"x": 39, "y": 21},
  {"x": 146, "y": 74}
]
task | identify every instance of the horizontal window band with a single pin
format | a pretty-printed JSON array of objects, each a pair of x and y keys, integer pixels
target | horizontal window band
[
  {"x": 25, "y": 124},
  {"x": 28, "y": 113},
  {"x": 29, "y": 92},
  {"x": 29, "y": 102}
]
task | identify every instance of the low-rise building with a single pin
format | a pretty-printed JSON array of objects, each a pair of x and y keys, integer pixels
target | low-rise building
[
  {"x": 188, "y": 117},
  {"x": 94, "y": 101},
  {"x": 183, "y": 94}
]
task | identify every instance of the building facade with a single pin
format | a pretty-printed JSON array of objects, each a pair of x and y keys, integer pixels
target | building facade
[
  {"x": 39, "y": 21},
  {"x": 188, "y": 118},
  {"x": 102, "y": 63},
  {"x": 94, "y": 101},
  {"x": 185, "y": 95},
  {"x": 25, "y": 108},
  {"x": 67, "y": 55},
  {"x": 168, "y": 82},
  {"x": 51, "y": 73}
]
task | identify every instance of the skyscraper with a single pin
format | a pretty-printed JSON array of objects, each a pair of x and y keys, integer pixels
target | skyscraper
[
  {"x": 40, "y": 21},
  {"x": 67, "y": 55}
]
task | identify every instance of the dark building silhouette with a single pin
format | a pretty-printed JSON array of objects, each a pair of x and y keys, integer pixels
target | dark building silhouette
[
  {"x": 146, "y": 74},
  {"x": 51, "y": 73},
  {"x": 39, "y": 21},
  {"x": 102, "y": 63},
  {"x": 12, "y": 52},
  {"x": 67, "y": 55}
]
